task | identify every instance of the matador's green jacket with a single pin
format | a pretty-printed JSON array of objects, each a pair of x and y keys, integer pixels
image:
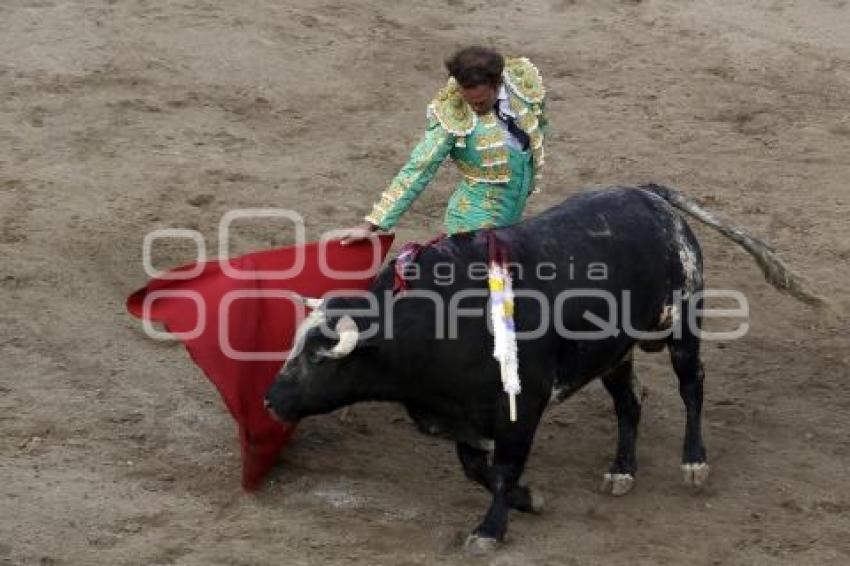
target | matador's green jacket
[{"x": 497, "y": 178}]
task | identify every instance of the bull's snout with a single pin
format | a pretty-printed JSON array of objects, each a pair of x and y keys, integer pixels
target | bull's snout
[{"x": 270, "y": 410}]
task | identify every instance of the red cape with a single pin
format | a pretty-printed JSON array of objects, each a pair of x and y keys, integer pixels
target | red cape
[{"x": 237, "y": 318}]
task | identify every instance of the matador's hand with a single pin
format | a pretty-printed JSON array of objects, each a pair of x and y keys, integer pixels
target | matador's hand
[{"x": 358, "y": 233}]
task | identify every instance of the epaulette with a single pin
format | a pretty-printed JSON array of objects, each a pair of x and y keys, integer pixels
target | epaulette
[
  {"x": 451, "y": 110},
  {"x": 524, "y": 80}
]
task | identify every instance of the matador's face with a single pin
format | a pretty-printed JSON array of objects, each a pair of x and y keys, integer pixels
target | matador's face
[{"x": 481, "y": 98}]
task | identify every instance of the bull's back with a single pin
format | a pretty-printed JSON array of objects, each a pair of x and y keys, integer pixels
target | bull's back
[{"x": 614, "y": 239}]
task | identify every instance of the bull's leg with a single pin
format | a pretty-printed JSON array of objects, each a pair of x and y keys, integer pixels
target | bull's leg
[
  {"x": 478, "y": 469},
  {"x": 622, "y": 383},
  {"x": 684, "y": 353},
  {"x": 512, "y": 444}
]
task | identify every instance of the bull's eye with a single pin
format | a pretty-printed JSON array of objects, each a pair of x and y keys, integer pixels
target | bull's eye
[{"x": 316, "y": 356}]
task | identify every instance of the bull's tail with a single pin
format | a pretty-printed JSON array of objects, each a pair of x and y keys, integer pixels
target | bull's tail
[{"x": 776, "y": 272}]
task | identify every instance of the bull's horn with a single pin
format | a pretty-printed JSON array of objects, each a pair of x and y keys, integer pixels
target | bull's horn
[
  {"x": 312, "y": 302},
  {"x": 346, "y": 328}
]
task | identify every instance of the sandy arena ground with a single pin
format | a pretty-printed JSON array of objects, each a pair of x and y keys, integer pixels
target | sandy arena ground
[{"x": 121, "y": 116}]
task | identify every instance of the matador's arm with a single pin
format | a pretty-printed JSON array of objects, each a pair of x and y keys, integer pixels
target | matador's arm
[{"x": 413, "y": 177}]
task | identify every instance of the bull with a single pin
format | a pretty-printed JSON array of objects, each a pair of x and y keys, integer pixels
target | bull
[{"x": 430, "y": 347}]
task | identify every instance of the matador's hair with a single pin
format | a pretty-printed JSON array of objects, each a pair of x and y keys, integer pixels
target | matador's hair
[{"x": 474, "y": 66}]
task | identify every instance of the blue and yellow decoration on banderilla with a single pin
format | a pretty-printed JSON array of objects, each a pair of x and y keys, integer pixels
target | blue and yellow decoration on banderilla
[{"x": 504, "y": 331}]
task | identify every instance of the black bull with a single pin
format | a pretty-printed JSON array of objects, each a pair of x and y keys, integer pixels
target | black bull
[{"x": 433, "y": 355}]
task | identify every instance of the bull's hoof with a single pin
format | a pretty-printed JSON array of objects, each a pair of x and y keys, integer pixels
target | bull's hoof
[
  {"x": 477, "y": 545},
  {"x": 695, "y": 474},
  {"x": 526, "y": 500},
  {"x": 617, "y": 484},
  {"x": 538, "y": 502}
]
